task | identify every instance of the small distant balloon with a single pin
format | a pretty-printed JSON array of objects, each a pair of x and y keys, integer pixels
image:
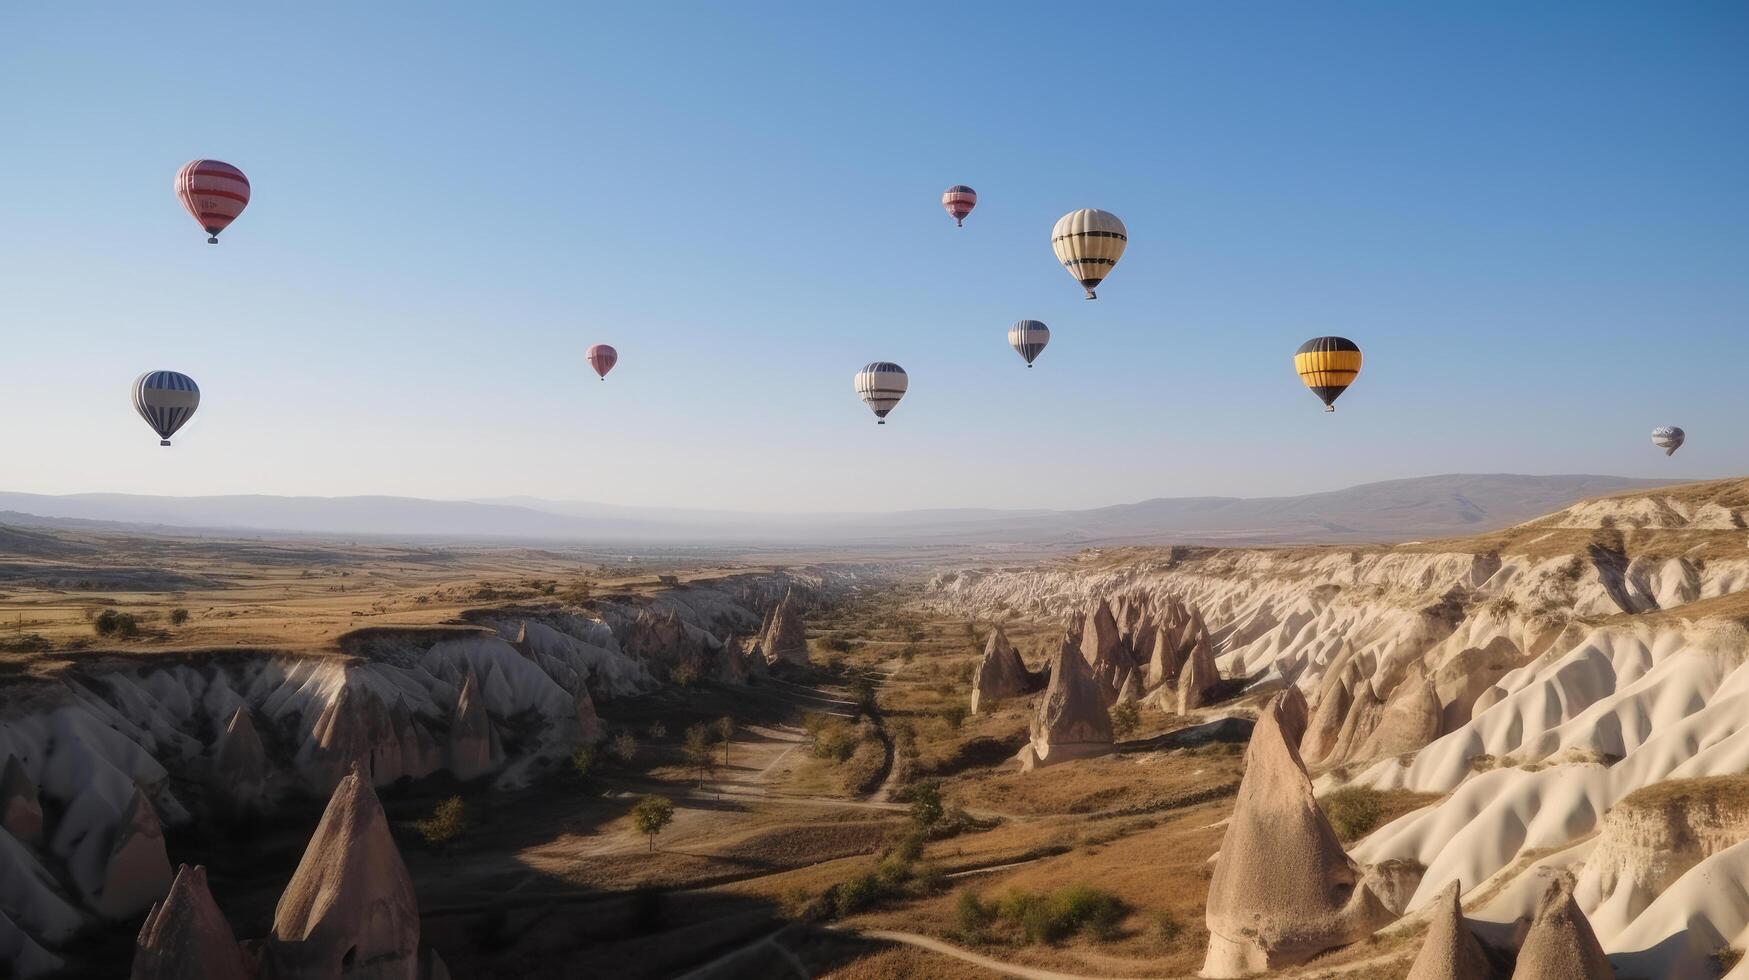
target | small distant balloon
[
  {"x": 166, "y": 400},
  {"x": 1028, "y": 338},
  {"x": 1089, "y": 242},
  {"x": 880, "y": 385},
  {"x": 602, "y": 358},
  {"x": 1328, "y": 365},
  {"x": 214, "y": 192},
  {"x": 1668, "y": 438},
  {"x": 959, "y": 200}
]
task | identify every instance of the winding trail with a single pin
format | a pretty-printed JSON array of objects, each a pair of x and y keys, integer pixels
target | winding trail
[{"x": 966, "y": 955}]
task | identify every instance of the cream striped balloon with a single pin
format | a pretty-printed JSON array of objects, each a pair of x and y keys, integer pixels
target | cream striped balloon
[
  {"x": 1089, "y": 242},
  {"x": 880, "y": 385}
]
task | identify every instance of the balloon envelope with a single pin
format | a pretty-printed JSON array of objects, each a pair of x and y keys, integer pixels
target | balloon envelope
[
  {"x": 166, "y": 400},
  {"x": 880, "y": 385},
  {"x": 602, "y": 358},
  {"x": 1028, "y": 338},
  {"x": 1089, "y": 242},
  {"x": 214, "y": 192},
  {"x": 1328, "y": 365},
  {"x": 959, "y": 200},
  {"x": 1668, "y": 438}
]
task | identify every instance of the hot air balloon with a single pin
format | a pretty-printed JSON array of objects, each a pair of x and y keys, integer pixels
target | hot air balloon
[
  {"x": 602, "y": 358},
  {"x": 1089, "y": 242},
  {"x": 1029, "y": 338},
  {"x": 959, "y": 200},
  {"x": 214, "y": 192},
  {"x": 1328, "y": 366},
  {"x": 1668, "y": 438},
  {"x": 166, "y": 400},
  {"x": 880, "y": 385}
]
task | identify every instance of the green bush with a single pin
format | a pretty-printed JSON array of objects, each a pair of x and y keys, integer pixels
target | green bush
[
  {"x": 445, "y": 825},
  {"x": 926, "y": 809},
  {"x": 1125, "y": 718},
  {"x": 117, "y": 624},
  {"x": 856, "y": 895},
  {"x": 1353, "y": 811},
  {"x": 972, "y": 915},
  {"x": 1042, "y": 917},
  {"x": 178, "y": 617}
]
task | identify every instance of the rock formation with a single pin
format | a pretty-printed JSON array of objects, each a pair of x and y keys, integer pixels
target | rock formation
[
  {"x": 349, "y": 909},
  {"x": 186, "y": 936},
  {"x": 1450, "y": 951},
  {"x": 1560, "y": 944},
  {"x": 659, "y": 637},
  {"x": 21, "y": 809},
  {"x": 1102, "y": 648},
  {"x": 138, "y": 870},
  {"x": 239, "y": 773},
  {"x": 1199, "y": 677},
  {"x": 1001, "y": 674},
  {"x": 1130, "y": 691},
  {"x": 473, "y": 742},
  {"x": 1283, "y": 889},
  {"x": 783, "y": 638},
  {"x": 1071, "y": 721},
  {"x": 1163, "y": 664}
]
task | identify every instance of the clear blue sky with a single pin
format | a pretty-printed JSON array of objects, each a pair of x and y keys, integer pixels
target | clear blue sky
[{"x": 1534, "y": 219}]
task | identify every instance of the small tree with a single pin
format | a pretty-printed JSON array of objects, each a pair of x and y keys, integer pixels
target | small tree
[
  {"x": 697, "y": 749},
  {"x": 650, "y": 815},
  {"x": 624, "y": 747},
  {"x": 684, "y": 674},
  {"x": 725, "y": 731},
  {"x": 1124, "y": 718},
  {"x": 955, "y": 715},
  {"x": 446, "y": 823},
  {"x": 178, "y": 617},
  {"x": 120, "y": 624},
  {"x": 657, "y": 731},
  {"x": 583, "y": 760},
  {"x": 926, "y": 809}
]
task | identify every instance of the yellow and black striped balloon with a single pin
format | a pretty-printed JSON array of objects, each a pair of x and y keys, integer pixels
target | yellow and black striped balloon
[{"x": 1328, "y": 365}]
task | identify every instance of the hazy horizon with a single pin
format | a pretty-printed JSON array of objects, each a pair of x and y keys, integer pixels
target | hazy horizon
[{"x": 1534, "y": 225}]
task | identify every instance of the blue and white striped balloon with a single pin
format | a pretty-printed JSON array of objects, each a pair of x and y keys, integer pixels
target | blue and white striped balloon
[
  {"x": 166, "y": 400},
  {"x": 880, "y": 385}
]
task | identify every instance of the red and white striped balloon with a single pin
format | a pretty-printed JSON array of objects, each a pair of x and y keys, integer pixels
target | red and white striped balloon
[
  {"x": 959, "y": 200},
  {"x": 214, "y": 192},
  {"x": 602, "y": 358}
]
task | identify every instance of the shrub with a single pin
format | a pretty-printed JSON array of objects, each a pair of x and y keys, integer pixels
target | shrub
[
  {"x": 865, "y": 767},
  {"x": 178, "y": 617},
  {"x": 1726, "y": 958},
  {"x": 1125, "y": 717},
  {"x": 697, "y": 750},
  {"x": 685, "y": 674},
  {"x": 657, "y": 731},
  {"x": 117, "y": 624},
  {"x": 623, "y": 747},
  {"x": 1167, "y": 929},
  {"x": 926, "y": 809},
  {"x": 583, "y": 760},
  {"x": 835, "y": 742},
  {"x": 1085, "y": 909},
  {"x": 855, "y": 895},
  {"x": 972, "y": 915},
  {"x": 955, "y": 715},
  {"x": 1353, "y": 811},
  {"x": 929, "y": 880},
  {"x": 909, "y": 847},
  {"x": 445, "y": 825}
]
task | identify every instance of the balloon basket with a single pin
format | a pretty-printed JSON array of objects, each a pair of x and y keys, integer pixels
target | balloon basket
[
  {"x": 164, "y": 442},
  {"x": 1329, "y": 408},
  {"x": 214, "y": 240}
]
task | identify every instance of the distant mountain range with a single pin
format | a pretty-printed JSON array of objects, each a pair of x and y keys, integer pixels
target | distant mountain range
[{"x": 1395, "y": 510}]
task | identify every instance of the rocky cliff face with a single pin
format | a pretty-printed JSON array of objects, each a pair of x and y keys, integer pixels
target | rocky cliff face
[
  {"x": 96, "y": 749},
  {"x": 1536, "y": 676}
]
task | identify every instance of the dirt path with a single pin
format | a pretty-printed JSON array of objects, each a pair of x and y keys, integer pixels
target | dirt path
[{"x": 966, "y": 955}]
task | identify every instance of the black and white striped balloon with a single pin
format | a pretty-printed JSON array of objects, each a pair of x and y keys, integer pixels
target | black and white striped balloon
[
  {"x": 1028, "y": 338},
  {"x": 166, "y": 400}
]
